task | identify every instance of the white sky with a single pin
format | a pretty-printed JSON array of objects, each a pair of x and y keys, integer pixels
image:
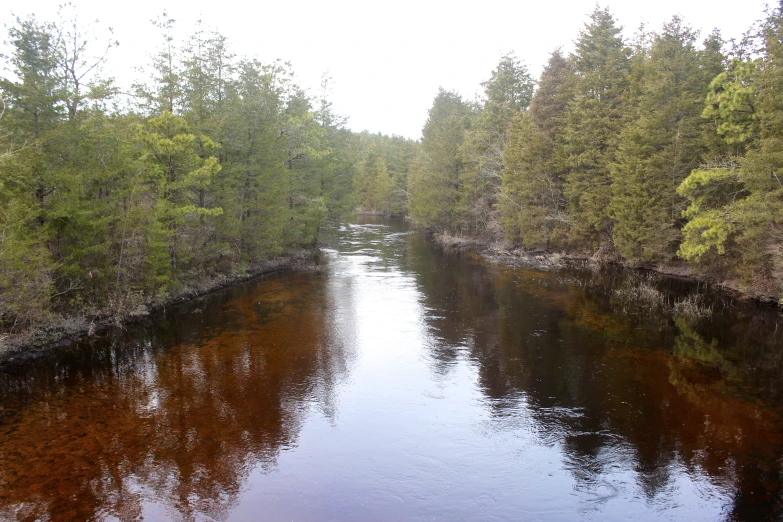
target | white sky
[{"x": 387, "y": 60}]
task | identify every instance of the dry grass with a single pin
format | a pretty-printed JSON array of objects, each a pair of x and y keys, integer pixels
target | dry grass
[
  {"x": 451, "y": 241},
  {"x": 692, "y": 307},
  {"x": 640, "y": 290}
]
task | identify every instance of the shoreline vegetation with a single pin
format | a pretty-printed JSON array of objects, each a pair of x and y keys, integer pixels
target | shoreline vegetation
[
  {"x": 501, "y": 253},
  {"x": 115, "y": 200},
  {"x": 64, "y": 330},
  {"x": 662, "y": 151}
]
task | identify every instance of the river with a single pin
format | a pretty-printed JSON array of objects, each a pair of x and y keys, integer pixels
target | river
[{"x": 401, "y": 382}]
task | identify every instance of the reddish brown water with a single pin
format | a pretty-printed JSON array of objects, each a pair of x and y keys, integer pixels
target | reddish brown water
[{"x": 403, "y": 383}]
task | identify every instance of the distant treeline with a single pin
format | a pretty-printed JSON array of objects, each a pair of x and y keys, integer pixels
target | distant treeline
[
  {"x": 214, "y": 164},
  {"x": 647, "y": 151}
]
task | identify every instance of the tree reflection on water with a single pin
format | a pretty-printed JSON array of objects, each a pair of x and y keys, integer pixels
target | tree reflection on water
[{"x": 170, "y": 419}]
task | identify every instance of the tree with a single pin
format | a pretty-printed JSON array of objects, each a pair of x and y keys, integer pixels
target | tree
[
  {"x": 182, "y": 179},
  {"x": 506, "y": 93},
  {"x": 595, "y": 117},
  {"x": 253, "y": 186},
  {"x": 383, "y": 168},
  {"x": 34, "y": 99},
  {"x": 532, "y": 204},
  {"x": 436, "y": 172},
  {"x": 660, "y": 147},
  {"x": 101, "y": 212},
  {"x": 164, "y": 94},
  {"x": 730, "y": 102},
  {"x": 736, "y": 209},
  {"x": 206, "y": 68},
  {"x": 31, "y": 110},
  {"x": 25, "y": 264},
  {"x": 305, "y": 143},
  {"x": 79, "y": 64}
]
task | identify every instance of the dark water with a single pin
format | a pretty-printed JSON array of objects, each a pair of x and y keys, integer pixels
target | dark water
[{"x": 404, "y": 383}]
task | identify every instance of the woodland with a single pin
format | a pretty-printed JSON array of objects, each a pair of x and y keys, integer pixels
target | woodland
[{"x": 659, "y": 150}]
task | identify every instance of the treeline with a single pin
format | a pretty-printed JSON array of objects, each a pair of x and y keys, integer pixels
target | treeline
[
  {"x": 382, "y": 168},
  {"x": 215, "y": 163},
  {"x": 648, "y": 151}
]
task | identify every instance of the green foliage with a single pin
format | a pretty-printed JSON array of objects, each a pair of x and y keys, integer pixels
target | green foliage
[
  {"x": 710, "y": 191},
  {"x": 164, "y": 92},
  {"x": 103, "y": 211},
  {"x": 456, "y": 177},
  {"x": 639, "y": 152},
  {"x": 506, "y": 93},
  {"x": 34, "y": 98},
  {"x": 25, "y": 263},
  {"x": 383, "y": 165},
  {"x": 659, "y": 148},
  {"x": 730, "y": 102},
  {"x": 736, "y": 212},
  {"x": 647, "y": 150},
  {"x": 532, "y": 205},
  {"x": 434, "y": 182},
  {"x": 595, "y": 117}
]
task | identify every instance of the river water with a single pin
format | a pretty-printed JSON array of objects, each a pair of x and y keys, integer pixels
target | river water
[{"x": 400, "y": 383}]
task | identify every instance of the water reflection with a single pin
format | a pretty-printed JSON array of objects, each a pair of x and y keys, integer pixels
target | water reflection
[
  {"x": 168, "y": 419},
  {"x": 402, "y": 382},
  {"x": 641, "y": 404}
]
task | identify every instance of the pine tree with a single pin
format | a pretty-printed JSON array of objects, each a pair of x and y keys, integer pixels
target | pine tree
[
  {"x": 31, "y": 111},
  {"x": 164, "y": 94},
  {"x": 736, "y": 210},
  {"x": 182, "y": 179}
]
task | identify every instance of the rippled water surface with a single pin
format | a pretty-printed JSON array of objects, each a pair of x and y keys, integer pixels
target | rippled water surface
[{"x": 401, "y": 382}]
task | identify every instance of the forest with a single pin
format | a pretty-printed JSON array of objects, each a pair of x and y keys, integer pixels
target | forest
[
  {"x": 658, "y": 151},
  {"x": 661, "y": 150}
]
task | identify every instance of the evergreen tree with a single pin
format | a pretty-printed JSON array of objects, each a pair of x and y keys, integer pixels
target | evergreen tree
[
  {"x": 164, "y": 93},
  {"x": 506, "y": 93},
  {"x": 736, "y": 210},
  {"x": 595, "y": 117},
  {"x": 182, "y": 179},
  {"x": 660, "y": 147},
  {"x": 31, "y": 110},
  {"x": 435, "y": 176},
  {"x": 382, "y": 178},
  {"x": 34, "y": 99},
  {"x": 532, "y": 204},
  {"x": 253, "y": 185}
]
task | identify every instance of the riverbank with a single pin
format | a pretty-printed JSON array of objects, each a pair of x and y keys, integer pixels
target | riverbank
[
  {"x": 500, "y": 253},
  {"x": 379, "y": 214},
  {"x": 66, "y": 329}
]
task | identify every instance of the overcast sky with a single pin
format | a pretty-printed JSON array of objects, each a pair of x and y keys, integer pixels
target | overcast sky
[{"x": 388, "y": 59}]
